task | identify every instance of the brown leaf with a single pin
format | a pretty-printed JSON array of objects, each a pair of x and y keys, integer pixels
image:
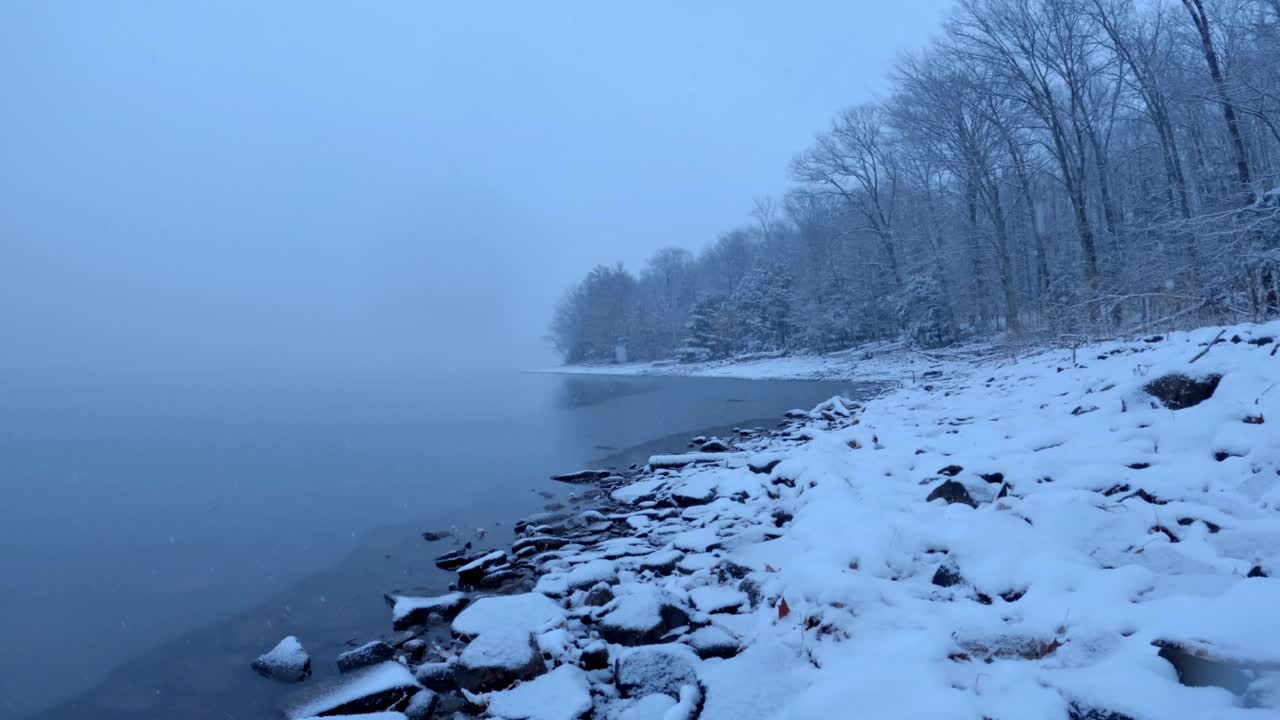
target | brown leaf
[
  {"x": 769, "y": 568},
  {"x": 839, "y": 605},
  {"x": 1255, "y": 419},
  {"x": 783, "y": 609}
]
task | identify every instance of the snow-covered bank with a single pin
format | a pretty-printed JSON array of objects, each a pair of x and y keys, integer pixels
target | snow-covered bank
[
  {"x": 886, "y": 362},
  {"x": 1020, "y": 539}
]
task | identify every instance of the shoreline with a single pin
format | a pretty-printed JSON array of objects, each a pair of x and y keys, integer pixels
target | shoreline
[{"x": 940, "y": 535}]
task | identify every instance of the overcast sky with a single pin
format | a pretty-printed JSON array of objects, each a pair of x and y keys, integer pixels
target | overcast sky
[{"x": 279, "y": 187}]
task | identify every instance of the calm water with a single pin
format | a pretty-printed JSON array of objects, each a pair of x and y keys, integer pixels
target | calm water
[{"x": 154, "y": 537}]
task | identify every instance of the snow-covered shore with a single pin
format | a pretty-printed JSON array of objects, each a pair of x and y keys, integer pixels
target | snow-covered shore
[
  {"x": 881, "y": 362},
  {"x": 1030, "y": 538}
]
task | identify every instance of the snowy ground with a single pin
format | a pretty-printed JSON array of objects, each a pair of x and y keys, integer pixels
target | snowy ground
[{"x": 1029, "y": 538}]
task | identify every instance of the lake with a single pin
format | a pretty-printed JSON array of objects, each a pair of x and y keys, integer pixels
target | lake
[{"x": 156, "y": 536}]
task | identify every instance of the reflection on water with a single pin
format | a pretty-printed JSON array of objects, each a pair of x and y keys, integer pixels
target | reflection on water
[
  {"x": 577, "y": 391},
  {"x": 191, "y": 526}
]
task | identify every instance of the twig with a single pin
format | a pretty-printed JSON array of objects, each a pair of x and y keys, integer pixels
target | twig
[{"x": 1212, "y": 342}]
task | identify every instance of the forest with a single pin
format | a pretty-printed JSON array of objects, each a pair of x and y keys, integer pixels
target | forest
[{"x": 1045, "y": 171}]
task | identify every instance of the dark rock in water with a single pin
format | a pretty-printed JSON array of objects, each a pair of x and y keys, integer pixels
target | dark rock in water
[
  {"x": 1077, "y": 712},
  {"x": 386, "y": 686},
  {"x": 994, "y": 478},
  {"x": 422, "y": 705},
  {"x": 763, "y": 468},
  {"x": 286, "y": 662},
  {"x": 452, "y": 560},
  {"x": 595, "y": 656},
  {"x": 582, "y": 476},
  {"x": 1178, "y": 391},
  {"x": 953, "y": 492},
  {"x": 599, "y": 596},
  {"x": 499, "y": 578},
  {"x": 540, "y": 543},
  {"x": 364, "y": 656},
  {"x": 435, "y": 535},
  {"x": 436, "y": 676},
  {"x": 495, "y": 661},
  {"x": 947, "y": 576},
  {"x": 472, "y": 572},
  {"x": 659, "y": 669},
  {"x": 950, "y": 470}
]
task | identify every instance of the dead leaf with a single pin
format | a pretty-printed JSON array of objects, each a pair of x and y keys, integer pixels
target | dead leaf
[
  {"x": 783, "y": 609},
  {"x": 769, "y": 568},
  {"x": 1255, "y": 419}
]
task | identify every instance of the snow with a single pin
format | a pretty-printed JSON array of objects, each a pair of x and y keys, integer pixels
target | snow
[
  {"x": 1115, "y": 523},
  {"x": 561, "y": 694},
  {"x": 368, "y": 716},
  {"x": 505, "y": 650},
  {"x": 519, "y": 614},
  {"x": 353, "y": 686}
]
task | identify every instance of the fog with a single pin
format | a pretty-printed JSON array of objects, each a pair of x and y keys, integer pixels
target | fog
[{"x": 383, "y": 188}]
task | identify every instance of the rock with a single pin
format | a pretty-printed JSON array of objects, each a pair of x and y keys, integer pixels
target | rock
[
  {"x": 781, "y": 517},
  {"x": 714, "y": 445},
  {"x": 286, "y": 662},
  {"x": 540, "y": 543},
  {"x": 562, "y": 694},
  {"x": 659, "y": 669},
  {"x": 414, "y": 649},
  {"x": 713, "y": 641},
  {"x": 582, "y": 476},
  {"x": 751, "y": 589},
  {"x": 474, "y": 571},
  {"x": 1078, "y": 712},
  {"x": 641, "y": 615},
  {"x": 1260, "y": 341},
  {"x": 422, "y": 705},
  {"x": 496, "y": 660},
  {"x": 952, "y": 492},
  {"x": 1257, "y": 572},
  {"x": 763, "y": 468},
  {"x": 435, "y": 535},
  {"x": 718, "y": 598},
  {"x": 1201, "y": 670},
  {"x": 694, "y": 494},
  {"x": 364, "y": 656},
  {"x": 595, "y": 656},
  {"x": 386, "y": 686},
  {"x": 1178, "y": 392},
  {"x": 662, "y": 562},
  {"x": 410, "y": 610},
  {"x": 994, "y": 478},
  {"x": 950, "y": 470},
  {"x": 947, "y": 576},
  {"x": 599, "y": 596},
  {"x": 436, "y": 676},
  {"x": 452, "y": 560}
]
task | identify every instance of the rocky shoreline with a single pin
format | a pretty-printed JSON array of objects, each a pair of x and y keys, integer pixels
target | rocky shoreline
[
  {"x": 571, "y": 613},
  {"x": 1088, "y": 534}
]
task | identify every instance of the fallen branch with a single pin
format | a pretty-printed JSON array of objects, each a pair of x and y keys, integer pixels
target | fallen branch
[{"x": 1212, "y": 342}]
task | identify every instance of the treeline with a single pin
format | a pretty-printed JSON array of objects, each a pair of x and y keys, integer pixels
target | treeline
[{"x": 1045, "y": 169}]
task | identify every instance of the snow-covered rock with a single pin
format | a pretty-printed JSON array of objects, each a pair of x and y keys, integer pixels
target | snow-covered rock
[
  {"x": 495, "y": 660},
  {"x": 410, "y": 610},
  {"x": 656, "y": 669},
  {"x": 386, "y": 686},
  {"x": 640, "y": 614},
  {"x": 561, "y": 694},
  {"x": 286, "y": 662},
  {"x": 368, "y": 654}
]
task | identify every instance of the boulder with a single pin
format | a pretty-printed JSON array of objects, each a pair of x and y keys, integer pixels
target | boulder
[
  {"x": 472, "y": 572},
  {"x": 286, "y": 662},
  {"x": 436, "y": 676},
  {"x": 656, "y": 669},
  {"x": 410, "y": 610},
  {"x": 599, "y": 596},
  {"x": 947, "y": 576},
  {"x": 595, "y": 656},
  {"x": 562, "y": 694},
  {"x": 713, "y": 641},
  {"x": 385, "y": 686},
  {"x": 497, "y": 660},
  {"x": 641, "y": 615},
  {"x": 714, "y": 445},
  {"x": 952, "y": 492},
  {"x": 422, "y": 705},
  {"x": 1178, "y": 392},
  {"x": 364, "y": 656}
]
